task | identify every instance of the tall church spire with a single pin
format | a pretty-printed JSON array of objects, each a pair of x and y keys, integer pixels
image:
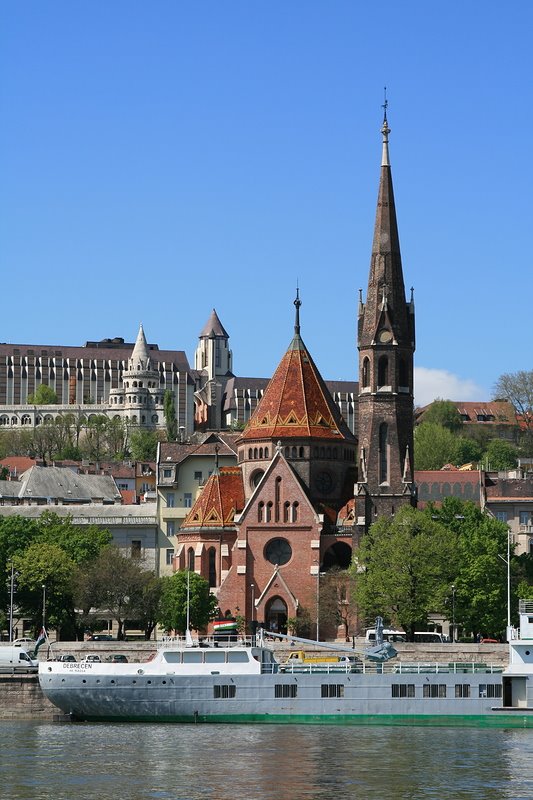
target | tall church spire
[
  {"x": 140, "y": 356},
  {"x": 386, "y": 343}
]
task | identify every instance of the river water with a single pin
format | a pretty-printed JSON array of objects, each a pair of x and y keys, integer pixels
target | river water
[{"x": 234, "y": 762}]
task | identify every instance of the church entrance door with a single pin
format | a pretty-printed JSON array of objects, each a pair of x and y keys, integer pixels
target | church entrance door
[{"x": 276, "y": 615}]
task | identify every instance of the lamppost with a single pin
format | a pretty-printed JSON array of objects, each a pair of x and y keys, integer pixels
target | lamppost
[
  {"x": 317, "y": 599},
  {"x": 44, "y": 605},
  {"x": 453, "y": 613},
  {"x": 252, "y": 587},
  {"x": 11, "y": 594}
]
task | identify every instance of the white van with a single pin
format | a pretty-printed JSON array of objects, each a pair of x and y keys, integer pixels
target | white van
[
  {"x": 15, "y": 657},
  {"x": 389, "y": 635}
]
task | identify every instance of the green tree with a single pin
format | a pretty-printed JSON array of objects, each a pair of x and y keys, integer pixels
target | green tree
[
  {"x": 517, "y": 387},
  {"x": 481, "y": 573},
  {"x": 434, "y": 445},
  {"x": 202, "y": 604},
  {"x": 444, "y": 413},
  {"x": 500, "y": 455},
  {"x": 43, "y": 396},
  {"x": 403, "y": 569},
  {"x": 95, "y": 442},
  {"x": 336, "y": 606},
  {"x": 46, "y": 565},
  {"x": 82, "y": 543},
  {"x": 467, "y": 450},
  {"x": 143, "y": 445},
  {"x": 169, "y": 411}
]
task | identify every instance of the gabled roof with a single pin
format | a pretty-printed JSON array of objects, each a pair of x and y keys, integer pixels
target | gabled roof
[
  {"x": 206, "y": 445},
  {"x": 296, "y": 402},
  {"x": 221, "y": 498},
  {"x": 64, "y": 484}
]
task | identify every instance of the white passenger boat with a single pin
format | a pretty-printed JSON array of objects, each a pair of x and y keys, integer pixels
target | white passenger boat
[{"x": 242, "y": 682}]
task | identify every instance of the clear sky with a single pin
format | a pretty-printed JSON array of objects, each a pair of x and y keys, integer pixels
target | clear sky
[{"x": 161, "y": 159}]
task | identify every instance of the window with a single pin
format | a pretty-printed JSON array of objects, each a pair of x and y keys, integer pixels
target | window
[
  {"x": 191, "y": 658},
  {"x": 332, "y": 690},
  {"x": 490, "y": 690},
  {"x": 170, "y": 556},
  {"x": 524, "y": 518},
  {"x": 167, "y": 473},
  {"x": 278, "y": 551},
  {"x": 136, "y": 548},
  {"x": 383, "y": 371},
  {"x": 190, "y": 559},
  {"x": 171, "y": 528},
  {"x": 282, "y": 690},
  {"x": 187, "y": 500},
  {"x": 198, "y": 476},
  {"x": 383, "y": 453},
  {"x": 224, "y": 692},
  {"x": 366, "y": 373},
  {"x": 170, "y": 499},
  {"x": 434, "y": 690},
  {"x": 462, "y": 690},
  {"x": 215, "y": 657},
  {"x": 501, "y": 516},
  {"x": 403, "y": 690},
  {"x": 212, "y": 557}
]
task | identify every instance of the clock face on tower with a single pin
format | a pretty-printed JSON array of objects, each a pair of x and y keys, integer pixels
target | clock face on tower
[
  {"x": 324, "y": 482},
  {"x": 385, "y": 336}
]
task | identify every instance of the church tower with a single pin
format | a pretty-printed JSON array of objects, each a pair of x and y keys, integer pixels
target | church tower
[{"x": 386, "y": 343}]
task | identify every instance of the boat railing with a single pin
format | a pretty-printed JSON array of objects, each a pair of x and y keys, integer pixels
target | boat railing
[
  {"x": 373, "y": 667},
  {"x": 217, "y": 640}
]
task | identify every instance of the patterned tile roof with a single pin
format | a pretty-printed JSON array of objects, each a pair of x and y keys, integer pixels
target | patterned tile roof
[
  {"x": 296, "y": 402},
  {"x": 222, "y": 497}
]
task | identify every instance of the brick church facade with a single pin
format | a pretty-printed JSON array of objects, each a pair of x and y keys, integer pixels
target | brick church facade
[{"x": 305, "y": 488}]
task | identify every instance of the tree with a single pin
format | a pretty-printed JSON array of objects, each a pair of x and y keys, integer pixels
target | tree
[
  {"x": 43, "y": 396},
  {"x": 82, "y": 543},
  {"x": 467, "y": 450},
  {"x": 403, "y": 569},
  {"x": 434, "y": 446},
  {"x": 517, "y": 387},
  {"x": 202, "y": 604},
  {"x": 500, "y": 455},
  {"x": 170, "y": 416},
  {"x": 481, "y": 573},
  {"x": 444, "y": 413},
  {"x": 335, "y": 606},
  {"x": 95, "y": 436},
  {"x": 149, "y": 603},
  {"x": 143, "y": 445}
]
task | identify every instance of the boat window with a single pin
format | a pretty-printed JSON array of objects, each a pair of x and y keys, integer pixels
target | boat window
[
  {"x": 238, "y": 657},
  {"x": 224, "y": 692},
  {"x": 403, "y": 690},
  {"x": 192, "y": 658},
  {"x": 434, "y": 690},
  {"x": 215, "y": 657},
  {"x": 285, "y": 690},
  {"x": 462, "y": 690},
  {"x": 490, "y": 690},
  {"x": 172, "y": 657},
  {"x": 332, "y": 690}
]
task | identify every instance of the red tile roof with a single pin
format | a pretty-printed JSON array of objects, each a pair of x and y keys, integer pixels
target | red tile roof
[
  {"x": 222, "y": 497},
  {"x": 297, "y": 403}
]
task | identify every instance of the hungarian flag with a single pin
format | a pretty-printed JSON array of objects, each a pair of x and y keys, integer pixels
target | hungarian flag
[
  {"x": 224, "y": 625},
  {"x": 41, "y": 639}
]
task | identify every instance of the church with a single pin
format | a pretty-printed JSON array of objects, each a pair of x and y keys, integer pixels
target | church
[{"x": 306, "y": 487}]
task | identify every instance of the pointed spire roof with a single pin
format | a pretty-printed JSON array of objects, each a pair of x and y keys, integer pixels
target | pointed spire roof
[
  {"x": 385, "y": 302},
  {"x": 222, "y": 497},
  {"x": 213, "y": 327},
  {"x": 140, "y": 357},
  {"x": 296, "y": 402}
]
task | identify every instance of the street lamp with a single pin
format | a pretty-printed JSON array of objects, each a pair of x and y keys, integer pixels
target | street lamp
[
  {"x": 11, "y": 594},
  {"x": 252, "y": 587},
  {"x": 317, "y": 599},
  {"x": 453, "y": 613},
  {"x": 44, "y": 605}
]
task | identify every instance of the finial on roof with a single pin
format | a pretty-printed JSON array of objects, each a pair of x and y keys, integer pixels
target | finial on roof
[
  {"x": 297, "y": 304},
  {"x": 385, "y": 130},
  {"x": 217, "y": 448}
]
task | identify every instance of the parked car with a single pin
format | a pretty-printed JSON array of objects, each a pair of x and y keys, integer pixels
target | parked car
[
  {"x": 489, "y": 641},
  {"x": 100, "y": 637},
  {"x": 65, "y": 657},
  {"x": 26, "y": 641},
  {"x": 117, "y": 658},
  {"x": 92, "y": 658}
]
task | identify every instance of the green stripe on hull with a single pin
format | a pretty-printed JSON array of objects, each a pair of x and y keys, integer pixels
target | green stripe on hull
[{"x": 415, "y": 720}]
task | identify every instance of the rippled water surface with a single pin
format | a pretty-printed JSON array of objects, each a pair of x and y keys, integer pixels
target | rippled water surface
[{"x": 223, "y": 762}]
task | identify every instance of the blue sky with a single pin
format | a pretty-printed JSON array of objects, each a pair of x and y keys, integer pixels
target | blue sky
[{"x": 161, "y": 159}]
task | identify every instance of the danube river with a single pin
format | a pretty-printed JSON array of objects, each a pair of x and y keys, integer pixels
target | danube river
[{"x": 238, "y": 762}]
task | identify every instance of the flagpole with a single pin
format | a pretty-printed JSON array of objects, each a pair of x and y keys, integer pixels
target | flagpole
[{"x": 188, "y": 598}]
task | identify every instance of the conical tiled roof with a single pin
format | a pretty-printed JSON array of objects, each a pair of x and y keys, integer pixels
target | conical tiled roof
[
  {"x": 296, "y": 402},
  {"x": 213, "y": 327},
  {"x": 222, "y": 497}
]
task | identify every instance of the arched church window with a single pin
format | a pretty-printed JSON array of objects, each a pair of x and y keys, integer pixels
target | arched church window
[
  {"x": 365, "y": 373},
  {"x": 269, "y": 511},
  {"x": 301, "y": 452},
  {"x": 250, "y": 454},
  {"x": 190, "y": 559},
  {"x": 383, "y": 371},
  {"x": 261, "y": 512},
  {"x": 295, "y": 511},
  {"x": 277, "y": 497},
  {"x": 403, "y": 373},
  {"x": 266, "y": 452},
  {"x": 286, "y": 509},
  {"x": 383, "y": 453},
  {"x": 212, "y": 566}
]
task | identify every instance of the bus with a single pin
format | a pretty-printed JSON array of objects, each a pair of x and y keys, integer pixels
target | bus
[
  {"x": 430, "y": 637},
  {"x": 389, "y": 635}
]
